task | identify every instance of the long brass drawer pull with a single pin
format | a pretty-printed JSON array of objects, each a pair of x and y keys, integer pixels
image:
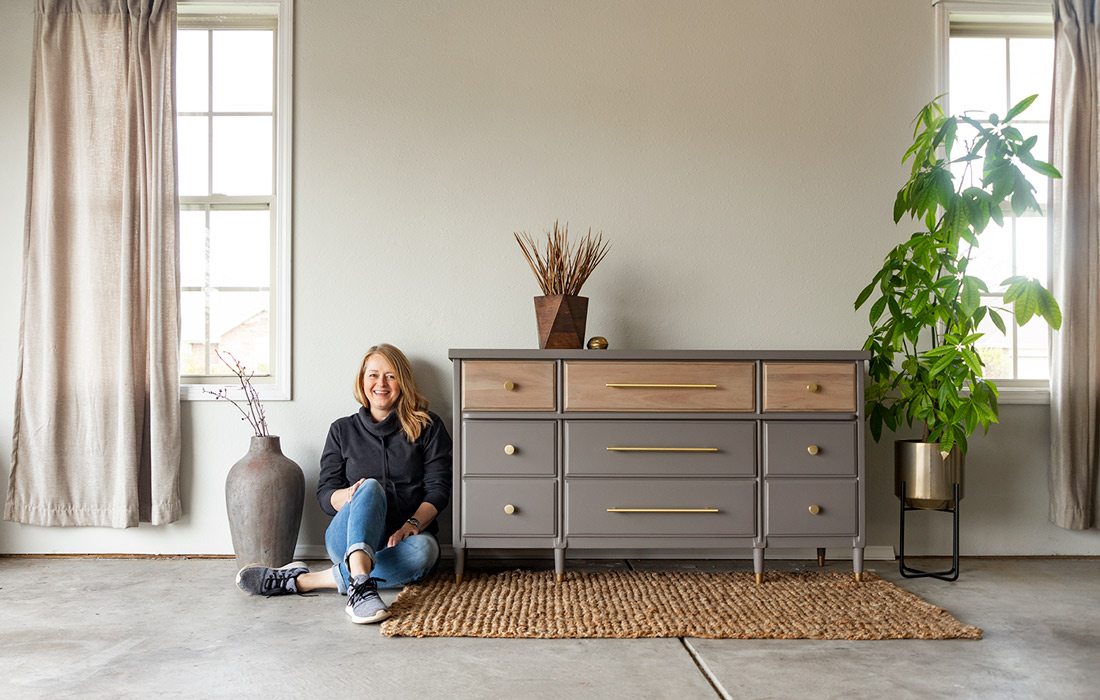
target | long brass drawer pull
[
  {"x": 618, "y": 385},
  {"x": 662, "y": 510},
  {"x": 661, "y": 449}
]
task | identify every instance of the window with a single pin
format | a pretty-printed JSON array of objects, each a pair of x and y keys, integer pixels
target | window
[
  {"x": 233, "y": 134},
  {"x": 996, "y": 56}
]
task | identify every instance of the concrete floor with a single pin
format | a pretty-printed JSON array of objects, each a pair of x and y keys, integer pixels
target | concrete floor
[{"x": 108, "y": 628}]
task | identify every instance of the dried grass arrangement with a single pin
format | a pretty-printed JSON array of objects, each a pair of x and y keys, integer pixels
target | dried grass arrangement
[{"x": 560, "y": 268}]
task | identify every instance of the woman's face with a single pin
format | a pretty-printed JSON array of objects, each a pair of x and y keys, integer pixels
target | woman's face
[{"x": 380, "y": 384}]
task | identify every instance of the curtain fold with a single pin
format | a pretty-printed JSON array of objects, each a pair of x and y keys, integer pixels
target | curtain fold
[
  {"x": 97, "y": 426},
  {"x": 1075, "y": 372}
]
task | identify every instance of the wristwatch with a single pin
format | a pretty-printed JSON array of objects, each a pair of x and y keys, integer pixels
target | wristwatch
[{"x": 415, "y": 523}]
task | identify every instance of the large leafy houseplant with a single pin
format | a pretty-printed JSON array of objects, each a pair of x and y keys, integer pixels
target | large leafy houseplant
[{"x": 924, "y": 366}]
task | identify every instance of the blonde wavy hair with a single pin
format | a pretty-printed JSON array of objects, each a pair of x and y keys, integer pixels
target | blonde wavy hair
[{"x": 412, "y": 406}]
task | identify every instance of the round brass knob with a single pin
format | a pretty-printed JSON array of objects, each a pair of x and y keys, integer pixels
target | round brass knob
[
  {"x": 509, "y": 509},
  {"x": 509, "y": 449},
  {"x": 814, "y": 509},
  {"x": 813, "y": 449},
  {"x": 813, "y": 388},
  {"x": 509, "y": 386}
]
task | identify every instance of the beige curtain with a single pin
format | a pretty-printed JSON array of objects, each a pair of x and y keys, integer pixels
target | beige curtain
[
  {"x": 97, "y": 429},
  {"x": 1075, "y": 375}
]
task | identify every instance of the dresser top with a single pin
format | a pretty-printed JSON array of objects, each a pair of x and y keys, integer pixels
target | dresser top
[{"x": 775, "y": 355}]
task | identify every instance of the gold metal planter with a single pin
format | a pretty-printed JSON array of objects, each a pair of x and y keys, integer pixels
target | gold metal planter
[{"x": 929, "y": 477}]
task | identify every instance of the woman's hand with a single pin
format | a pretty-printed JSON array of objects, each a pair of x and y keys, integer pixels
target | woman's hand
[
  {"x": 342, "y": 497},
  {"x": 406, "y": 530}
]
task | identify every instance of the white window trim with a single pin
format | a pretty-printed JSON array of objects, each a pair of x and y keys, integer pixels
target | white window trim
[
  {"x": 1011, "y": 391},
  {"x": 279, "y": 388}
]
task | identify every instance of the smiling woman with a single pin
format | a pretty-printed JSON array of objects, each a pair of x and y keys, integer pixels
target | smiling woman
[{"x": 385, "y": 476}]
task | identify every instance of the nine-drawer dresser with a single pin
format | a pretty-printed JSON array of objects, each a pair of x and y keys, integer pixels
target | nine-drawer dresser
[{"x": 691, "y": 450}]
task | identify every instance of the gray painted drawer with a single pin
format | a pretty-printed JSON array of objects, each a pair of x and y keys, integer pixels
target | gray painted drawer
[
  {"x": 508, "y": 448},
  {"x": 660, "y": 448},
  {"x": 484, "y": 504},
  {"x": 589, "y": 500},
  {"x": 787, "y": 510},
  {"x": 809, "y": 448}
]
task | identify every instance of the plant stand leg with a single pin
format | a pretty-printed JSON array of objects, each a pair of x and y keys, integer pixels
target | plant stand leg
[{"x": 951, "y": 574}]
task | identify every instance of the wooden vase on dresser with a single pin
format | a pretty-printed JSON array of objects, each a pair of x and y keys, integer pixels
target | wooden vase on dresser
[{"x": 689, "y": 451}]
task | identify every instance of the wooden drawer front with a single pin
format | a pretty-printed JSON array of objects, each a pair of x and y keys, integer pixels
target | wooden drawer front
[
  {"x": 659, "y": 386},
  {"x": 795, "y": 448},
  {"x": 590, "y": 499},
  {"x": 508, "y": 448},
  {"x": 810, "y": 386},
  {"x": 484, "y": 503},
  {"x": 789, "y": 503},
  {"x": 660, "y": 448},
  {"x": 520, "y": 385}
]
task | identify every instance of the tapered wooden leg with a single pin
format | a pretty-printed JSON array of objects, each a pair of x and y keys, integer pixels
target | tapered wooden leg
[
  {"x": 460, "y": 563},
  {"x": 857, "y": 563},
  {"x": 821, "y": 556},
  {"x": 758, "y": 565},
  {"x": 559, "y": 564}
]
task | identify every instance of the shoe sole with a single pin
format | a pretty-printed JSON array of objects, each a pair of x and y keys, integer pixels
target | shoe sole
[
  {"x": 291, "y": 565},
  {"x": 376, "y": 617}
]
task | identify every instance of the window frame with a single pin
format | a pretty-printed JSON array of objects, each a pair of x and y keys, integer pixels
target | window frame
[
  {"x": 197, "y": 14},
  {"x": 1016, "y": 18}
]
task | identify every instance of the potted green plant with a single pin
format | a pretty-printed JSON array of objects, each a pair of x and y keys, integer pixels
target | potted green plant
[{"x": 925, "y": 367}]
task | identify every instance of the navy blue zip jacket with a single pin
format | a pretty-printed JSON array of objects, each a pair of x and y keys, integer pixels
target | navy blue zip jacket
[{"x": 410, "y": 472}]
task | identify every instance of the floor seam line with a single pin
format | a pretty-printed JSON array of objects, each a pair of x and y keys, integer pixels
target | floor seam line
[{"x": 703, "y": 669}]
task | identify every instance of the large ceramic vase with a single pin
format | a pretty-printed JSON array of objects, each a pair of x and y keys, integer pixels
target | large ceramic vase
[
  {"x": 929, "y": 477},
  {"x": 263, "y": 499},
  {"x": 561, "y": 321}
]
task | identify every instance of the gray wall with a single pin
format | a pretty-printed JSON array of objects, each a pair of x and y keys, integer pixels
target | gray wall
[{"x": 741, "y": 156}]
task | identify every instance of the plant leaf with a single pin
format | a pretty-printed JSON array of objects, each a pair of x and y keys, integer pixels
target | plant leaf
[
  {"x": 1020, "y": 107},
  {"x": 971, "y": 297}
]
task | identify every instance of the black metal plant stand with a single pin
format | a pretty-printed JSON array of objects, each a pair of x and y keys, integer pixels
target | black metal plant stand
[{"x": 951, "y": 574}]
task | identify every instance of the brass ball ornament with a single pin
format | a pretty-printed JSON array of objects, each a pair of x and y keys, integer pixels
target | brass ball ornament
[{"x": 597, "y": 342}]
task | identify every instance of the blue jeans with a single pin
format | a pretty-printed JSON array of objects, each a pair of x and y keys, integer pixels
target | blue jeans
[{"x": 361, "y": 526}]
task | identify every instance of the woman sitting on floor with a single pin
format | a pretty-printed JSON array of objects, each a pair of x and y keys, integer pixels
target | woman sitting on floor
[{"x": 385, "y": 476}]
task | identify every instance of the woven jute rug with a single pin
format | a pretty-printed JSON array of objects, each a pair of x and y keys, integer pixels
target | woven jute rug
[{"x": 632, "y": 604}]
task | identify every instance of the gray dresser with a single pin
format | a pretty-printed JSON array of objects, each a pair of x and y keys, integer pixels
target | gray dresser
[{"x": 693, "y": 451}]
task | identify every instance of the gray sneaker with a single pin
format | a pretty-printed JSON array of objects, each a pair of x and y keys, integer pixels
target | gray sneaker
[
  {"x": 364, "y": 604},
  {"x": 256, "y": 579}
]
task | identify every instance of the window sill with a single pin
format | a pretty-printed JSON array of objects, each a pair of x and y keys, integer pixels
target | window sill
[
  {"x": 1009, "y": 394},
  {"x": 275, "y": 391}
]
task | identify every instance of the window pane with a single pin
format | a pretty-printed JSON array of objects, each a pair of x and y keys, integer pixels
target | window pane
[
  {"x": 192, "y": 71},
  {"x": 1031, "y": 247},
  {"x": 1031, "y": 62},
  {"x": 977, "y": 75},
  {"x": 242, "y": 155},
  {"x": 1033, "y": 348},
  {"x": 992, "y": 260},
  {"x": 243, "y": 70},
  {"x": 192, "y": 333},
  {"x": 995, "y": 347},
  {"x": 191, "y": 133},
  {"x": 239, "y": 323},
  {"x": 192, "y": 248},
  {"x": 240, "y": 248}
]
